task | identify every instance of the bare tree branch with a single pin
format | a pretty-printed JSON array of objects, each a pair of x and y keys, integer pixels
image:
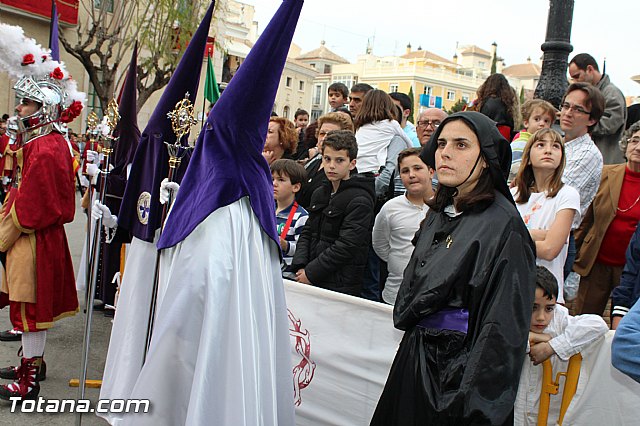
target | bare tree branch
[{"x": 104, "y": 39}]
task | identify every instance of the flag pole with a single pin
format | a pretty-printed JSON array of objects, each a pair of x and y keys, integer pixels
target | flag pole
[
  {"x": 204, "y": 92},
  {"x": 92, "y": 123},
  {"x": 109, "y": 141}
]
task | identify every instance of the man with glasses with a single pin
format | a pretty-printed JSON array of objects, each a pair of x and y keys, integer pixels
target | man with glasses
[
  {"x": 580, "y": 110},
  {"x": 607, "y": 132},
  {"x": 428, "y": 122},
  {"x": 605, "y": 233}
]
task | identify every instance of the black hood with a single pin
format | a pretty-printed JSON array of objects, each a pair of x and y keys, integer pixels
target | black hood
[
  {"x": 495, "y": 149},
  {"x": 358, "y": 181}
]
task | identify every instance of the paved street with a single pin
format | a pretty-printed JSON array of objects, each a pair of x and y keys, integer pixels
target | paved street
[{"x": 63, "y": 351}]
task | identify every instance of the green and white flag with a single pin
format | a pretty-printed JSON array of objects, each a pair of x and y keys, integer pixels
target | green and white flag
[{"x": 211, "y": 92}]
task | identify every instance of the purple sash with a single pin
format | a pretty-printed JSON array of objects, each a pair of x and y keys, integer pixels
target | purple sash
[{"x": 456, "y": 319}]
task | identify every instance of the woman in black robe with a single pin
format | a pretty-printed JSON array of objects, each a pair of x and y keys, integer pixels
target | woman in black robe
[{"x": 466, "y": 297}]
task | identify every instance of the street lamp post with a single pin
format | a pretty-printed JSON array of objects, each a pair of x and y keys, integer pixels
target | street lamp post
[{"x": 553, "y": 79}]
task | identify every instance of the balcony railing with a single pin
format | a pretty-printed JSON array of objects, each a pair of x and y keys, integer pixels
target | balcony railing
[{"x": 427, "y": 73}]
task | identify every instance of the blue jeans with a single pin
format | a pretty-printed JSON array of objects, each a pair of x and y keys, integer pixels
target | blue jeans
[
  {"x": 571, "y": 255},
  {"x": 371, "y": 279}
]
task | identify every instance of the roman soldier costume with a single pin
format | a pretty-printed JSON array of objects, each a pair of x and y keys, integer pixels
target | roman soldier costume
[{"x": 37, "y": 283}]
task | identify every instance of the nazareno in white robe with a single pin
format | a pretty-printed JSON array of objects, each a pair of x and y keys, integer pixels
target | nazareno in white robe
[
  {"x": 220, "y": 351},
  {"x": 129, "y": 331}
]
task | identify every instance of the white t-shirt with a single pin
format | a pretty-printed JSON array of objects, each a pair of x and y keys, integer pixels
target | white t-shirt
[
  {"x": 540, "y": 213},
  {"x": 395, "y": 227},
  {"x": 373, "y": 142}
]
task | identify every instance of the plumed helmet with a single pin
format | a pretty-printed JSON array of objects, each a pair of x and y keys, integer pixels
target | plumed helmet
[{"x": 40, "y": 79}]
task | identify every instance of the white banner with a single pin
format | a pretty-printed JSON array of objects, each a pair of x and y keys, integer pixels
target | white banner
[
  {"x": 604, "y": 396},
  {"x": 343, "y": 347},
  {"x": 342, "y": 350}
]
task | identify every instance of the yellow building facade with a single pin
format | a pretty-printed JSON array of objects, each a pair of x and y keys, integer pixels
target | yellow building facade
[{"x": 421, "y": 71}]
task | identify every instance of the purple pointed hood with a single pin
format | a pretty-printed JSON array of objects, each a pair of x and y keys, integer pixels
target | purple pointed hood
[
  {"x": 127, "y": 129},
  {"x": 54, "y": 43},
  {"x": 140, "y": 212},
  {"x": 227, "y": 163}
]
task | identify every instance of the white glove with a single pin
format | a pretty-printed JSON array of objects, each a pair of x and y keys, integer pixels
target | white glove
[
  {"x": 166, "y": 188},
  {"x": 84, "y": 181},
  {"x": 5, "y": 180},
  {"x": 93, "y": 169},
  {"x": 92, "y": 156},
  {"x": 99, "y": 210}
]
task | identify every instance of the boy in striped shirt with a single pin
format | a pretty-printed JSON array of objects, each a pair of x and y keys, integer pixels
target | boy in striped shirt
[{"x": 287, "y": 177}]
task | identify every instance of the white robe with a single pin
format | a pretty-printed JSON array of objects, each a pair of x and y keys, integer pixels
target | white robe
[
  {"x": 129, "y": 331},
  {"x": 220, "y": 351}
]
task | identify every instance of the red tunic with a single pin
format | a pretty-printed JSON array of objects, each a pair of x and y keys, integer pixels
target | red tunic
[
  {"x": 42, "y": 203},
  {"x": 4, "y": 141}
]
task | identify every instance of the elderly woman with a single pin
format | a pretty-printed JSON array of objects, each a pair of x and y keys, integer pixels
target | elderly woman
[
  {"x": 466, "y": 296},
  {"x": 282, "y": 139},
  {"x": 609, "y": 223}
]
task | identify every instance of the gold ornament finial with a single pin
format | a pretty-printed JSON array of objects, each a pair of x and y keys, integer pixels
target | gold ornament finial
[
  {"x": 92, "y": 120},
  {"x": 113, "y": 116},
  {"x": 92, "y": 126},
  {"x": 109, "y": 123},
  {"x": 182, "y": 118}
]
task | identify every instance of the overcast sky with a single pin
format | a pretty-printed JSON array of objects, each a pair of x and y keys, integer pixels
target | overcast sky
[{"x": 602, "y": 28}]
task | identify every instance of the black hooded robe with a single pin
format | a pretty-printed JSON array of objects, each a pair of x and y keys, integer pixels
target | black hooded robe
[
  {"x": 110, "y": 251},
  {"x": 482, "y": 260}
]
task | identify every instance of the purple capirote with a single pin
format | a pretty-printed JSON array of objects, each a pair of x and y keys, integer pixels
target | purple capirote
[
  {"x": 227, "y": 163},
  {"x": 151, "y": 161},
  {"x": 127, "y": 130}
]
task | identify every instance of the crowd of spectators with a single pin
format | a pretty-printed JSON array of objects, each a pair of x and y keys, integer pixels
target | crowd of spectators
[{"x": 374, "y": 183}]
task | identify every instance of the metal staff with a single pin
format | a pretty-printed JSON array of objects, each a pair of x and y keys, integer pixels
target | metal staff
[
  {"x": 182, "y": 118},
  {"x": 112, "y": 120},
  {"x": 92, "y": 129}
]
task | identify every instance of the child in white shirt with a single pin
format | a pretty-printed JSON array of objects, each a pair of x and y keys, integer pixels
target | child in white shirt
[
  {"x": 400, "y": 218},
  {"x": 553, "y": 334}
]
